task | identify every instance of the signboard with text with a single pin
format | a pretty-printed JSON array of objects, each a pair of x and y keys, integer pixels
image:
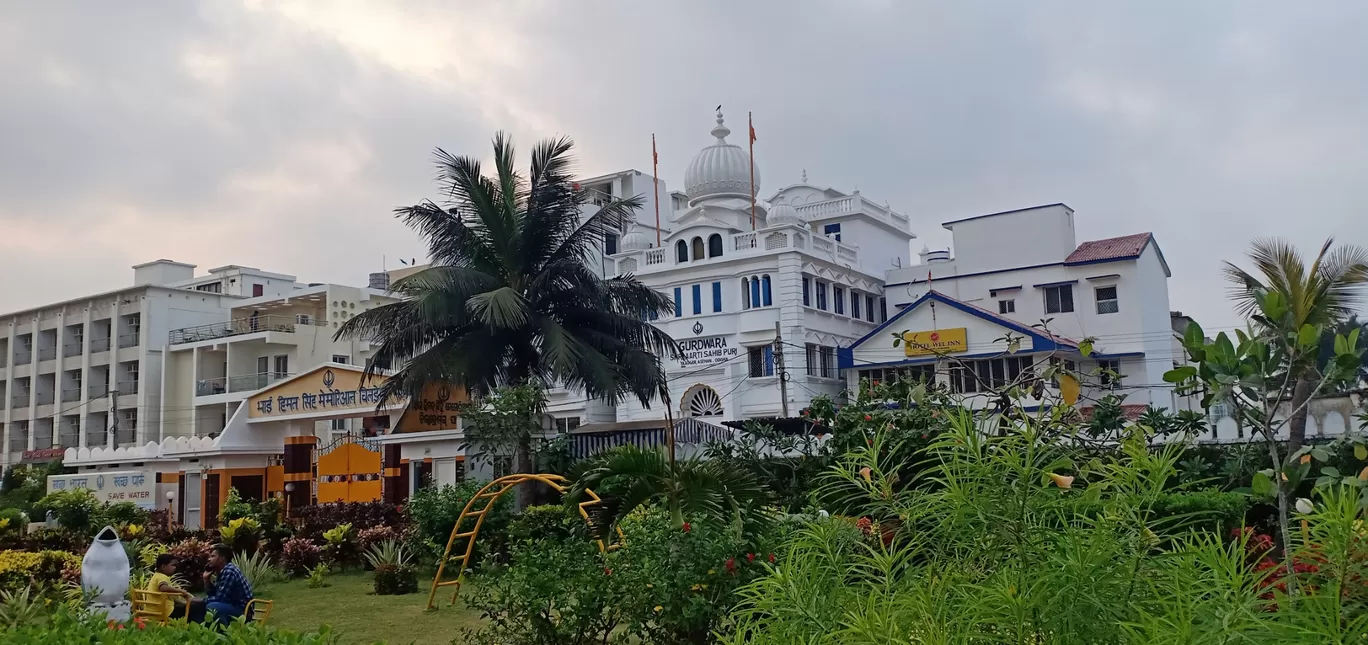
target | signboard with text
[
  {"x": 940, "y": 341},
  {"x": 325, "y": 390},
  {"x": 137, "y": 486},
  {"x": 705, "y": 351},
  {"x": 439, "y": 408}
]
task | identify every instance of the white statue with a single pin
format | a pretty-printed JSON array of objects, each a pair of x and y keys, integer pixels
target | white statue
[{"x": 104, "y": 575}]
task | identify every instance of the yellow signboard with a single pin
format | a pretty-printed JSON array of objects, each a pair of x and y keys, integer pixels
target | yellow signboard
[
  {"x": 940, "y": 341},
  {"x": 325, "y": 390}
]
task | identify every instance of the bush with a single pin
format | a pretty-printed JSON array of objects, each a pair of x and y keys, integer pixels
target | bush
[
  {"x": 242, "y": 533},
  {"x": 339, "y": 545},
  {"x": 234, "y": 507},
  {"x": 74, "y": 509},
  {"x": 46, "y": 540},
  {"x": 374, "y": 536},
  {"x": 121, "y": 514},
  {"x": 193, "y": 558},
  {"x": 546, "y": 521},
  {"x": 12, "y": 522},
  {"x": 395, "y": 579},
  {"x": 21, "y": 569},
  {"x": 66, "y": 626},
  {"x": 434, "y": 511},
  {"x": 311, "y": 521},
  {"x": 298, "y": 556}
]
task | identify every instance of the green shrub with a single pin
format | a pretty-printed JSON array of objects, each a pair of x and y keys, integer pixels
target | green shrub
[
  {"x": 395, "y": 579},
  {"x": 434, "y": 511},
  {"x": 74, "y": 509},
  {"x": 122, "y": 514},
  {"x": 65, "y": 627},
  {"x": 545, "y": 521}
]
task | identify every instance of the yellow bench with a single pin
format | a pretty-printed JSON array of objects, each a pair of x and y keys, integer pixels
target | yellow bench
[{"x": 155, "y": 607}]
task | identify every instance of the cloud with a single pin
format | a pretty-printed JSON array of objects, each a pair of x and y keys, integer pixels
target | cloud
[{"x": 281, "y": 134}]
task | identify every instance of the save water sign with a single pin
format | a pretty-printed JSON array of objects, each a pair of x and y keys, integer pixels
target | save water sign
[{"x": 709, "y": 350}]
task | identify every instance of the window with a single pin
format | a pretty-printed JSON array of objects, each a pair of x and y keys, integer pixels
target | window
[
  {"x": 838, "y": 295},
  {"x": 698, "y": 248},
  {"x": 679, "y": 302},
  {"x": 717, "y": 296},
  {"x": 134, "y": 324},
  {"x": 702, "y": 401},
  {"x": 1106, "y": 300},
  {"x": 1059, "y": 299},
  {"x": 869, "y": 308},
  {"x": 1006, "y": 306},
  {"x": 258, "y": 290},
  {"x": 807, "y": 287},
  {"x": 697, "y": 298},
  {"x": 761, "y": 361},
  {"x": 610, "y": 243},
  {"x": 342, "y": 359},
  {"x": 755, "y": 291},
  {"x": 282, "y": 365},
  {"x": 745, "y": 293},
  {"x": 821, "y": 296},
  {"x": 339, "y": 425},
  {"x": 968, "y": 377},
  {"x": 826, "y": 356},
  {"x": 854, "y": 305},
  {"x": 263, "y": 364},
  {"x": 566, "y": 424},
  {"x": 883, "y": 310},
  {"x": 765, "y": 290},
  {"x": 714, "y": 245},
  {"x": 915, "y": 373},
  {"x": 1109, "y": 374},
  {"x": 212, "y": 287},
  {"x": 812, "y": 366},
  {"x": 131, "y": 372},
  {"x": 832, "y": 229},
  {"x": 681, "y": 252}
]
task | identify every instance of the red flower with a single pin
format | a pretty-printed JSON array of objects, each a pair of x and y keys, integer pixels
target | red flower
[
  {"x": 687, "y": 527},
  {"x": 750, "y": 557},
  {"x": 804, "y": 413},
  {"x": 607, "y": 572},
  {"x": 771, "y": 557},
  {"x": 923, "y": 435},
  {"x": 731, "y": 565},
  {"x": 868, "y": 418},
  {"x": 875, "y": 382}
]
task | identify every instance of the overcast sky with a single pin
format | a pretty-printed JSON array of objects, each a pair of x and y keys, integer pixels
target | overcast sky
[{"x": 281, "y": 134}]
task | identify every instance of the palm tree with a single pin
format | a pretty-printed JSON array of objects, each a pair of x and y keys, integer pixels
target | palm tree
[
  {"x": 1322, "y": 294},
  {"x": 510, "y": 298},
  {"x": 630, "y": 477}
]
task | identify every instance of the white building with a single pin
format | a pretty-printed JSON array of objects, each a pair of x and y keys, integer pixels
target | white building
[
  {"x": 72, "y": 371},
  {"x": 1022, "y": 274},
  {"x": 806, "y": 263}
]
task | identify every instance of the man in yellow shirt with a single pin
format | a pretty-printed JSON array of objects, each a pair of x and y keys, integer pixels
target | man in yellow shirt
[{"x": 162, "y": 571}]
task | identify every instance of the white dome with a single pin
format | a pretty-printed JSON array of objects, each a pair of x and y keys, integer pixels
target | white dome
[
  {"x": 781, "y": 213},
  {"x": 721, "y": 168},
  {"x": 635, "y": 241}
]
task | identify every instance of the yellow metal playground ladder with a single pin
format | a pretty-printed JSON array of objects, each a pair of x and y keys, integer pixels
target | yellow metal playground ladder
[{"x": 484, "y": 501}]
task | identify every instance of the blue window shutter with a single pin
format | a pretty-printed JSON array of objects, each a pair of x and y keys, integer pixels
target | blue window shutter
[
  {"x": 697, "y": 299},
  {"x": 717, "y": 297},
  {"x": 765, "y": 287},
  {"x": 807, "y": 298},
  {"x": 679, "y": 302},
  {"x": 755, "y": 292}
]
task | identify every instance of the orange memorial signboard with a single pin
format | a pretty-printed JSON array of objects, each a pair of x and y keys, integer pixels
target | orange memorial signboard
[
  {"x": 437, "y": 409},
  {"x": 325, "y": 390},
  {"x": 940, "y": 341}
]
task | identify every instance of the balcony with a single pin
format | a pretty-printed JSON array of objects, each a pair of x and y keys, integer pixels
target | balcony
[
  {"x": 240, "y": 326},
  {"x": 72, "y": 349},
  {"x": 47, "y": 354},
  {"x": 127, "y": 387},
  {"x": 128, "y": 340},
  {"x": 23, "y": 357},
  {"x": 243, "y": 383},
  {"x": 43, "y": 398},
  {"x": 19, "y": 401},
  {"x": 71, "y": 394},
  {"x": 99, "y": 345},
  {"x": 98, "y": 390}
]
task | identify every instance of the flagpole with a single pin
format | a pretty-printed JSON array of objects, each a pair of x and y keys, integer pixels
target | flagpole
[
  {"x": 750, "y": 123},
  {"x": 655, "y": 182}
]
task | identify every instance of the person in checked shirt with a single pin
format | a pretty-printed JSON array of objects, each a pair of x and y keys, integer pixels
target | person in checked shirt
[{"x": 227, "y": 591}]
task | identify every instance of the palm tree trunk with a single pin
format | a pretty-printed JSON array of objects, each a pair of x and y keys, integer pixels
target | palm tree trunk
[
  {"x": 522, "y": 463},
  {"x": 1296, "y": 426}
]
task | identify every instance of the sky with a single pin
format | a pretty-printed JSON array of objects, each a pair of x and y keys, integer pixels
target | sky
[{"x": 282, "y": 134}]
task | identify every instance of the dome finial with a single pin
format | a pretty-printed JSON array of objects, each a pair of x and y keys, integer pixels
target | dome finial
[
  {"x": 720, "y": 130},
  {"x": 805, "y": 175}
]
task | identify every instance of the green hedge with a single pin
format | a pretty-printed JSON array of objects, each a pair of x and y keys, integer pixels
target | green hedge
[{"x": 65, "y": 628}]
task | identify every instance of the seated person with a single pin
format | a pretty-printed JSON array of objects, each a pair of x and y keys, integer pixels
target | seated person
[
  {"x": 162, "y": 570},
  {"x": 227, "y": 591}
]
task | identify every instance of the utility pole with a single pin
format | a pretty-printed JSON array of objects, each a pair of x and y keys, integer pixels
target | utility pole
[
  {"x": 779, "y": 364},
  {"x": 114, "y": 415},
  {"x": 669, "y": 425}
]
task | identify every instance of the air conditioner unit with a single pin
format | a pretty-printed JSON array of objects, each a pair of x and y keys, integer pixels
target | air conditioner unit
[{"x": 303, "y": 319}]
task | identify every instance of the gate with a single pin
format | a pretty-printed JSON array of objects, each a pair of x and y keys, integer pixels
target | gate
[{"x": 349, "y": 470}]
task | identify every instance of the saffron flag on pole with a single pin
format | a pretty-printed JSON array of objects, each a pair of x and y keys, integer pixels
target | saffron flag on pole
[
  {"x": 750, "y": 123},
  {"x": 655, "y": 185}
]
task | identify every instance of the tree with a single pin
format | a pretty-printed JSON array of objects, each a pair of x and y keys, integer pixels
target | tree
[
  {"x": 1321, "y": 295},
  {"x": 1327, "y": 349},
  {"x": 510, "y": 297}
]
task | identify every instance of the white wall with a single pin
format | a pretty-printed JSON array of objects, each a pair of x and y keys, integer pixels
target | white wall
[{"x": 1017, "y": 239}]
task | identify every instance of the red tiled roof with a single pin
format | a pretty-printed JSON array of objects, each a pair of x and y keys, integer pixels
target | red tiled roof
[{"x": 1112, "y": 248}]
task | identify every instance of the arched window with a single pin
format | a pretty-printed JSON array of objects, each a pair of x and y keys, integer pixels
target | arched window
[
  {"x": 681, "y": 251},
  {"x": 755, "y": 291},
  {"x": 714, "y": 245},
  {"x": 745, "y": 293},
  {"x": 701, "y": 401},
  {"x": 765, "y": 290},
  {"x": 698, "y": 248}
]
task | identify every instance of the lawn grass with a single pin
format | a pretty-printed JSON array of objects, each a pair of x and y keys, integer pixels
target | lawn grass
[{"x": 358, "y": 616}]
